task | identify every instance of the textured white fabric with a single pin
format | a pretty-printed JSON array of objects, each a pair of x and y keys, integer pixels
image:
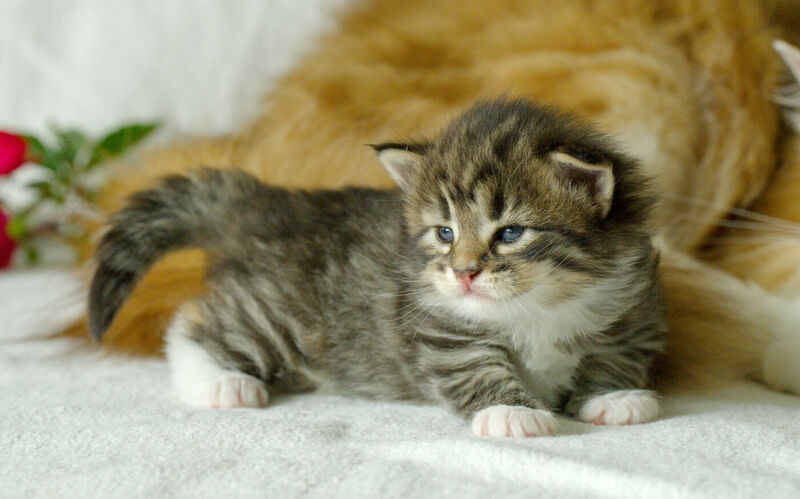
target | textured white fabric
[
  {"x": 76, "y": 424},
  {"x": 201, "y": 65}
]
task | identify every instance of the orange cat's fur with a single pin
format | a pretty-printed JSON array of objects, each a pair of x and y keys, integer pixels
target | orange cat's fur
[{"x": 684, "y": 84}]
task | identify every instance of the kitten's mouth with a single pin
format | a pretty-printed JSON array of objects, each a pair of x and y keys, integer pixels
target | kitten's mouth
[
  {"x": 469, "y": 289},
  {"x": 474, "y": 294}
]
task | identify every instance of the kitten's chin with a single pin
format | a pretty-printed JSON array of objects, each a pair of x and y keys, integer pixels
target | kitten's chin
[
  {"x": 475, "y": 296},
  {"x": 475, "y": 306},
  {"x": 481, "y": 306}
]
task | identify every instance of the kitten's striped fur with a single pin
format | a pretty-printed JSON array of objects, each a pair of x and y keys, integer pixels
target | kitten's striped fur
[{"x": 353, "y": 291}]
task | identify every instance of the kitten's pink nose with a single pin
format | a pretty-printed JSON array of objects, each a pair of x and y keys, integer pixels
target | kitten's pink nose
[{"x": 465, "y": 277}]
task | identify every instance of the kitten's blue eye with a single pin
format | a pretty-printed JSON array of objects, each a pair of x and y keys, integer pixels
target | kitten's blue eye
[
  {"x": 511, "y": 233},
  {"x": 445, "y": 234}
]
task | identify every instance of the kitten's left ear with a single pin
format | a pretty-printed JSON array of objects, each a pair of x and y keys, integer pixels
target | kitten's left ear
[
  {"x": 597, "y": 178},
  {"x": 401, "y": 160}
]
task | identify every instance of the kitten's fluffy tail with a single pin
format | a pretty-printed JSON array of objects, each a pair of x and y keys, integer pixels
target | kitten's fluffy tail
[{"x": 210, "y": 209}]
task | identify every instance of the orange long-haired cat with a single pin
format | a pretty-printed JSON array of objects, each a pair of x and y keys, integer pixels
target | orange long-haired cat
[{"x": 687, "y": 86}]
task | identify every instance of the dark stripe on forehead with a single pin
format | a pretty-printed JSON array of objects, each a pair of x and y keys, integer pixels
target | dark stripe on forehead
[
  {"x": 472, "y": 179},
  {"x": 483, "y": 172},
  {"x": 444, "y": 207},
  {"x": 498, "y": 204},
  {"x": 459, "y": 194},
  {"x": 504, "y": 144}
]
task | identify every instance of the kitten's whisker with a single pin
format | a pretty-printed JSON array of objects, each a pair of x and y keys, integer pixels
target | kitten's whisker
[
  {"x": 392, "y": 251},
  {"x": 412, "y": 303},
  {"x": 756, "y": 226},
  {"x": 422, "y": 309},
  {"x": 744, "y": 239},
  {"x": 421, "y": 324},
  {"x": 760, "y": 226},
  {"x": 762, "y": 249},
  {"x": 417, "y": 306},
  {"x": 741, "y": 212},
  {"x": 535, "y": 306}
]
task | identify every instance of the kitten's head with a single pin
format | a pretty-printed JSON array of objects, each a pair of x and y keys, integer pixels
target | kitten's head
[{"x": 516, "y": 203}]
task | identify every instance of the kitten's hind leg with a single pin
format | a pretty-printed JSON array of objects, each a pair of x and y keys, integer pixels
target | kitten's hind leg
[{"x": 199, "y": 379}]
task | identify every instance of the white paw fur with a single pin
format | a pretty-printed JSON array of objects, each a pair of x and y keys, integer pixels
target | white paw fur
[
  {"x": 620, "y": 408},
  {"x": 201, "y": 382},
  {"x": 231, "y": 391},
  {"x": 513, "y": 421},
  {"x": 781, "y": 365}
]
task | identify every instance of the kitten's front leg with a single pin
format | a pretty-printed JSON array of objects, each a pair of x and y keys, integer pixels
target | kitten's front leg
[
  {"x": 513, "y": 421},
  {"x": 479, "y": 381},
  {"x": 610, "y": 390}
]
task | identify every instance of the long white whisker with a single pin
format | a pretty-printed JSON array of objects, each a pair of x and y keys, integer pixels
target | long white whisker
[{"x": 741, "y": 212}]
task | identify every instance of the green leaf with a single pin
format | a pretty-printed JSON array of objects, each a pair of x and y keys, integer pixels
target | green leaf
[
  {"x": 17, "y": 228},
  {"x": 53, "y": 190},
  {"x": 43, "y": 188},
  {"x": 71, "y": 141},
  {"x": 71, "y": 145},
  {"x": 47, "y": 156},
  {"x": 31, "y": 255},
  {"x": 37, "y": 151},
  {"x": 119, "y": 141}
]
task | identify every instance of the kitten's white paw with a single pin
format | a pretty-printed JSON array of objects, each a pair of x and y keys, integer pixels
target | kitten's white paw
[
  {"x": 781, "y": 365},
  {"x": 199, "y": 380},
  {"x": 620, "y": 408},
  {"x": 231, "y": 391},
  {"x": 513, "y": 421}
]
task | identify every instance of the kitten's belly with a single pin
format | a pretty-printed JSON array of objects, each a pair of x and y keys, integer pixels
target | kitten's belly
[{"x": 545, "y": 370}]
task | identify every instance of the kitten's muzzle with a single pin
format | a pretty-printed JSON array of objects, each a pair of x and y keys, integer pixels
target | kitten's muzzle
[{"x": 466, "y": 277}]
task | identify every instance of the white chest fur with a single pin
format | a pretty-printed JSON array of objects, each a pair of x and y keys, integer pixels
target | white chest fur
[
  {"x": 542, "y": 334},
  {"x": 545, "y": 369},
  {"x": 542, "y": 338}
]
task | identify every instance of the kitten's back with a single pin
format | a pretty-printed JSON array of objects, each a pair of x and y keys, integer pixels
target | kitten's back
[{"x": 235, "y": 217}]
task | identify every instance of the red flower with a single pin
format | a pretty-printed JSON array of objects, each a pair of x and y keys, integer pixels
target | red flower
[
  {"x": 12, "y": 152},
  {"x": 7, "y": 245}
]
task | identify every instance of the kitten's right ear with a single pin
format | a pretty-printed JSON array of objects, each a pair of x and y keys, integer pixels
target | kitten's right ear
[
  {"x": 595, "y": 178},
  {"x": 401, "y": 160}
]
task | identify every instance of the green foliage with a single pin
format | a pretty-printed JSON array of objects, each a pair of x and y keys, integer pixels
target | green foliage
[
  {"x": 119, "y": 141},
  {"x": 71, "y": 158},
  {"x": 36, "y": 150}
]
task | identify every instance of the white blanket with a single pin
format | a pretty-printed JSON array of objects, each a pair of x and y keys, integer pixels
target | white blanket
[{"x": 76, "y": 424}]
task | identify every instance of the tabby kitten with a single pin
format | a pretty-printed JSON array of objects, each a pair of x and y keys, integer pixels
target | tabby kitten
[{"x": 512, "y": 274}]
